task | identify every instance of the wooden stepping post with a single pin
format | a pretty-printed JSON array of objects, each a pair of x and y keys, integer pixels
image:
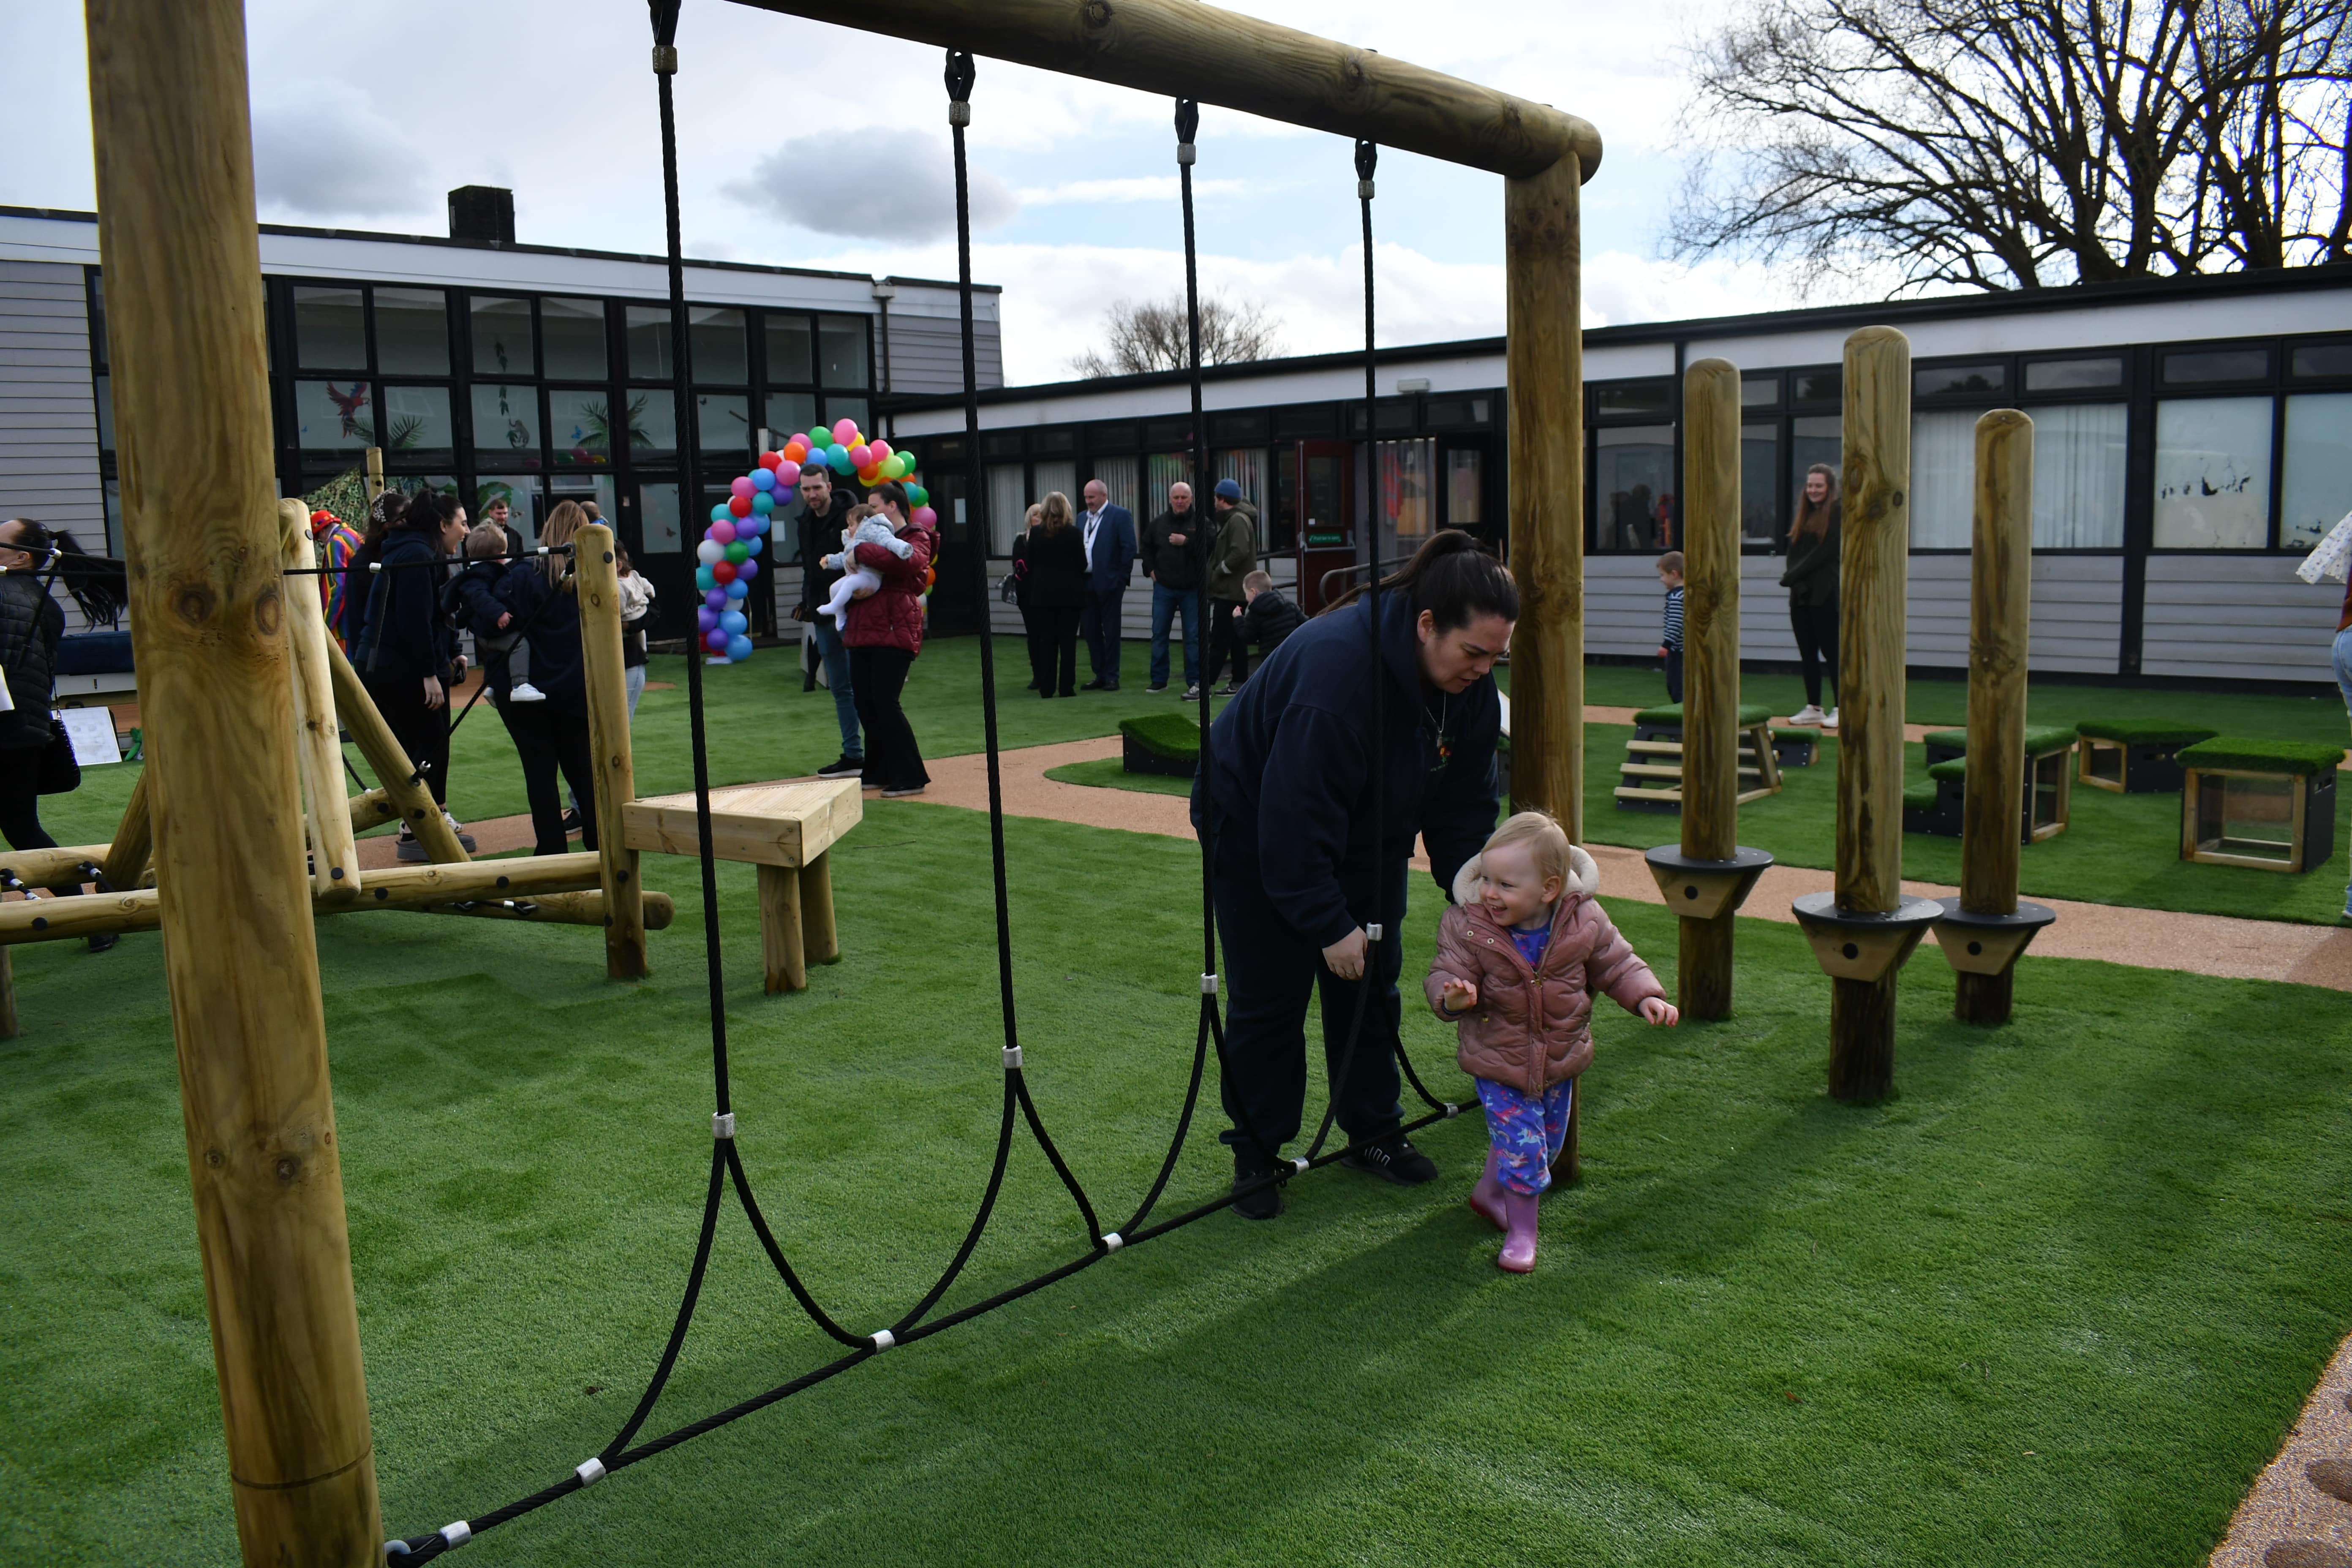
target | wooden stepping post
[
  {"x": 596, "y": 579},
  {"x": 318, "y": 746},
  {"x": 1710, "y": 781}
]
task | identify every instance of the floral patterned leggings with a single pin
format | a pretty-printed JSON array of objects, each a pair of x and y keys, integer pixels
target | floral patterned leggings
[{"x": 1526, "y": 1129}]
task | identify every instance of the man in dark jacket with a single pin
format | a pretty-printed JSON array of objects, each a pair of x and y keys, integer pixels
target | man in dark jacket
[
  {"x": 1109, "y": 533},
  {"x": 1171, "y": 558},
  {"x": 408, "y": 652},
  {"x": 1233, "y": 556},
  {"x": 824, "y": 511}
]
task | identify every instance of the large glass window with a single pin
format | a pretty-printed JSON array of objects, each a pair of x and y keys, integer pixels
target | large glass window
[
  {"x": 1160, "y": 470},
  {"x": 330, "y": 329},
  {"x": 855, "y": 409},
  {"x": 790, "y": 413},
  {"x": 417, "y": 424},
  {"x": 1943, "y": 479},
  {"x": 1959, "y": 380},
  {"x": 657, "y": 519},
  {"x": 333, "y": 416},
  {"x": 2316, "y": 490},
  {"x": 572, "y": 334},
  {"x": 648, "y": 332},
  {"x": 2202, "y": 365},
  {"x": 1634, "y": 397},
  {"x": 412, "y": 332},
  {"x": 2075, "y": 374},
  {"x": 506, "y": 423},
  {"x": 2321, "y": 359},
  {"x": 722, "y": 423},
  {"x": 1633, "y": 486},
  {"x": 1120, "y": 478},
  {"x": 653, "y": 420},
  {"x": 2078, "y": 476},
  {"x": 1816, "y": 439},
  {"x": 841, "y": 350},
  {"x": 792, "y": 350},
  {"x": 2213, "y": 473},
  {"x": 721, "y": 356},
  {"x": 1407, "y": 492},
  {"x": 1759, "y": 391},
  {"x": 1245, "y": 465},
  {"x": 580, "y": 427},
  {"x": 519, "y": 491},
  {"x": 1466, "y": 501},
  {"x": 1759, "y": 484},
  {"x": 1047, "y": 477},
  {"x": 502, "y": 337},
  {"x": 1009, "y": 501},
  {"x": 103, "y": 387}
]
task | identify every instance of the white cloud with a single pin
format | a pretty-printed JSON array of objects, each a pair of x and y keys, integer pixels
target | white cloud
[
  {"x": 874, "y": 184},
  {"x": 1137, "y": 188},
  {"x": 331, "y": 155}
]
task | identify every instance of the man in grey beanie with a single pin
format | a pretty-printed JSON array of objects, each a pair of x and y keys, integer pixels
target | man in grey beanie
[{"x": 1233, "y": 555}]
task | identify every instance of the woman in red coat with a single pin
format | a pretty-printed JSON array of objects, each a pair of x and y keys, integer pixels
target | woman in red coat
[{"x": 884, "y": 632}]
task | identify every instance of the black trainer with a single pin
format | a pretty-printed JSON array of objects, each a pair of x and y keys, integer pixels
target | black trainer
[
  {"x": 842, "y": 767},
  {"x": 1392, "y": 1159},
  {"x": 1266, "y": 1202}
]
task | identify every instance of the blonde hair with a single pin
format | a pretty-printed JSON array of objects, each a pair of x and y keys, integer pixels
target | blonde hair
[
  {"x": 858, "y": 514},
  {"x": 565, "y": 521},
  {"x": 1257, "y": 582},
  {"x": 1054, "y": 512},
  {"x": 486, "y": 540},
  {"x": 1546, "y": 840}
]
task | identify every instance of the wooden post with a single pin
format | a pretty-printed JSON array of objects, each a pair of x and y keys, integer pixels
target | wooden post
[
  {"x": 319, "y": 747},
  {"x": 1871, "y": 581},
  {"x": 374, "y": 473},
  {"x": 8, "y": 1024},
  {"x": 394, "y": 769},
  {"x": 781, "y": 941},
  {"x": 820, "y": 939},
  {"x": 134, "y": 840},
  {"x": 168, "y": 97},
  {"x": 1545, "y": 360},
  {"x": 1710, "y": 814},
  {"x": 2001, "y": 582},
  {"x": 597, "y": 581}
]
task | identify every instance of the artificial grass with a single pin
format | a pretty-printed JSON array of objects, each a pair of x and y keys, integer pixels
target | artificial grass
[
  {"x": 2039, "y": 739},
  {"x": 2145, "y": 731},
  {"x": 2298, "y": 758},
  {"x": 1110, "y": 772},
  {"x": 1174, "y": 736},
  {"x": 1669, "y": 715},
  {"x": 2029, "y": 1311}
]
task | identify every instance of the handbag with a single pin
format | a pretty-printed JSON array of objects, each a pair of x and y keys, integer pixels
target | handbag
[
  {"x": 1009, "y": 590},
  {"x": 60, "y": 772}
]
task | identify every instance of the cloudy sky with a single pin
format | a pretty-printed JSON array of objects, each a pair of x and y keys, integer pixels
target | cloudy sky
[{"x": 808, "y": 145}]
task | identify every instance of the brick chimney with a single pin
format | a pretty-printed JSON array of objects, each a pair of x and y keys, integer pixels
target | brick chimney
[{"x": 482, "y": 214}]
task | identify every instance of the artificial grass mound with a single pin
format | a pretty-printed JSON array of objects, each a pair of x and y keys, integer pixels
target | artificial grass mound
[
  {"x": 1780, "y": 732},
  {"x": 1173, "y": 737},
  {"x": 1919, "y": 796},
  {"x": 2039, "y": 739},
  {"x": 1952, "y": 769},
  {"x": 2145, "y": 731},
  {"x": 2300, "y": 758},
  {"x": 1669, "y": 715}
]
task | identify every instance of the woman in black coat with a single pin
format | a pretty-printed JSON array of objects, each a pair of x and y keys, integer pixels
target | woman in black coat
[
  {"x": 1811, "y": 579},
  {"x": 406, "y": 654},
  {"x": 551, "y": 733},
  {"x": 1053, "y": 591}
]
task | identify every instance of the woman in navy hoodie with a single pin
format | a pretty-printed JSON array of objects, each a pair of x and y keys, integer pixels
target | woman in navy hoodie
[
  {"x": 1303, "y": 866},
  {"x": 407, "y": 651}
]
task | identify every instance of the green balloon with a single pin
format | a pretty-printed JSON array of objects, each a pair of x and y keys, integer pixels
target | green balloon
[
  {"x": 911, "y": 463},
  {"x": 918, "y": 495},
  {"x": 818, "y": 441},
  {"x": 738, "y": 552}
]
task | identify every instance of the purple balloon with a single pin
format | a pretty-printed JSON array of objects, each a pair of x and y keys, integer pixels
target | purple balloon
[
  {"x": 747, "y": 568},
  {"x": 716, "y": 599},
  {"x": 715, "y": 640},
  {"x": 706, "y": 619}
]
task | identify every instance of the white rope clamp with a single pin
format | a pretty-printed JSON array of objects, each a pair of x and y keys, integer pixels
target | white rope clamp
[
  {"x": 722, "y": 1126},
  {"x": 1113, "y": 1242},
  {"x": 457, "y": 1534},
  {"x": 1012, "y": 1057},
  {"x": 883, "y": 1340},
  {"x": 1364, "y": 190},
  {"x": 1373, "y": 931},
  {"x": 959, "y": 114},
  {"x": 1185, "y": 154},
  {"x": 590, "y": 1470},
  {"x": 1299, "y": 1164},
  {"x": 1209, "y": 984}
]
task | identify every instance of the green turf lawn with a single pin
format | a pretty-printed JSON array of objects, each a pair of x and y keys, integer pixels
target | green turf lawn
[
  {"x": 2057, "y": 1303},
  {"x": 1110, "y": 772}
]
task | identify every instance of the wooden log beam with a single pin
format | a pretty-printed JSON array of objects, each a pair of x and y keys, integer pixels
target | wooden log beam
[
  {"x": 394, "y": 769},
  {"x": 2000, "y": 585},
  {"x": 1710, "y": 814},
  {"x": 1180, "y": 49},
  {"x": 168, "y": 94},
  {"x": 1544, "y": 357},
  {"x": 48, "y": 868},
  {"x": 582, "y": 909},
  {"x": 1872, "y": 583},
  {"x": 596, "y": 580},
  {"x": 125, "y": 865},
  {"x": 372, "y": 808},
  {"x": 318, "y": 746}
]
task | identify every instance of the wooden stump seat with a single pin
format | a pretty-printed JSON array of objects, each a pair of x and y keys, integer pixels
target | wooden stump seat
[{"x": 785, "y": 830}]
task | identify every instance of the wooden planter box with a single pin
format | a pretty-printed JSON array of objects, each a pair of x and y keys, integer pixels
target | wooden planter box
[
  {"x": 2277, "y": 816},
  {"x": 2135, "y": 759}
]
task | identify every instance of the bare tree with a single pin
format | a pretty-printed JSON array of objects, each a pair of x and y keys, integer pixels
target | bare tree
[
  {"x": 1156, "y": 335},
  {"x": 2020, "y": 143}
]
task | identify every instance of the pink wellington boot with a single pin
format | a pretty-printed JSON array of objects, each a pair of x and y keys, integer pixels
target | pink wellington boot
[
  {"x": 1486, "y": 1198},
  {"x": 1518, "y": 1254}
]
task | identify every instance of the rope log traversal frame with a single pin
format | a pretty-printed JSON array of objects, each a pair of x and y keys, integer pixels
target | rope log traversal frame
[{"x": 179, "y": 247}]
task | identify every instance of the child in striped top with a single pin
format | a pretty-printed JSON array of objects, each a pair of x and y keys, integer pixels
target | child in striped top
[{"x": 1669, "y": 647}]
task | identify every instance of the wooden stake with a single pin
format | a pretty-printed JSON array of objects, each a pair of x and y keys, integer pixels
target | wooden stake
[
  {"x": 125, "y": 865},
  {"x": 10, "y": 1028},
  {"x": 180, "y": 247},
  {"x": 2000, "y": 585},
  {"x": 781, "y": 941},
  {"x": 395, "y": 771},
  {"x": 820, "y": 939},
  {"x": 1871, "y": 581},
  {"x": 1545, "y": 356},
  {"x": 319, "y": 747},
  {"x": 597, "y": 580},
  {"x": 1710, "y": 814}
]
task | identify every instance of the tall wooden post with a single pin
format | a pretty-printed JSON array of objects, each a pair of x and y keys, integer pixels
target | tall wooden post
[
  {"x": 179, "y": 243},
  {"x": 596, "y": 579},
  {"x": 1544, "y": 363},
  {"x": 374, "y": 481},
  {"x": 2001, "y": 582},
  {"x": 1710, "y": 814},
  {"x": 134, "y": 838},
  {"x": 319, "y": 747},
  {"x": 1871, "y": 581}
]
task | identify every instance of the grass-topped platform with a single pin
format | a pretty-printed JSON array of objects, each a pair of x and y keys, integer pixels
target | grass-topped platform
[
  {"x": 1669, "y": 716},
  {"x": 1165, "y": 744},
  {"x": 2269, "y": 804},
  {"x": 2040, "y": 740},
  {"x": 2136, "y": 756}
]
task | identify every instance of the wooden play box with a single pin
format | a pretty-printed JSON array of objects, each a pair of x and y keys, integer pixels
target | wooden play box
[
  {"x": 2270, "y": 804},
  {"x": 785, "y": 830},
  {"x": 1935, "y": 807},
  {"x": 1650, "y": 778},
  {"x": 2135, "y": 756}
]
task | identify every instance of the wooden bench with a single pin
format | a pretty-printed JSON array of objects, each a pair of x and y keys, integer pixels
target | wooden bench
[
  {"x": 785, "y": 830},
  {"x": 2269, "y": 804},
  {"x": 1651, "y": 777}
]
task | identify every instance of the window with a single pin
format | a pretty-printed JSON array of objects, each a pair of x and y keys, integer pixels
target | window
[
  {"x": 1652, "y": 397},
  {"x": 2204, "y": 365},
  {"x": 1047, "y": 477},
  {"x": 1306, "y": 423},
  {"x": 2078, "y": 477},
  {"x": 722, "y": 423},
  {"x": 519, "y": 491},
  {"x": 1160, "y": 470},
  {"x": 1943, "y": 479},
  {"x": 657, "y": 518},
  {"x": 1236, "y": 429},
  {"x": 1633, "y": 486},
  {"x": 330, "y": 332},
  {"x": 855, "y": 409},
  {"x": 417, "y": 424},
  {"x": 2316, "y": 490},
  {"x": 1464, "y": 488},
  {"x": 1959, "y": 380},
  {"x": 790, "y": 350},
  {"x": 1008, "y": 505},
  {"x": 1759, "y": 484},
  {"x": 841, "y": 351},
  {"x": 1388, "y": 413},
  {"x": 1760, "y": 392},
  {"x": 1171, "y": 434},
  {"x": 721, "y": 356},
  {"x": 1407, "y": 497},
  {"x": 1448, "y": 412},
  {"x": 412, "y": 332},
  {"x": 572, "y": 337},
  {"x": 333, "y": 416},
  {"x": 653, "y": 420},
  {"x": 1245, "y": 467},
  {"x": 790, "y": 413},
  {"x": 502, "y": 337},
  {"x": 2213, "y": 473},
  {"x": 580, "y": 426},
  {"x": 2314, "y": 360},
  {"x": 103, "y": 386},
  {"x": 1120, "y": 478},
  {"x": 1000, "y": 444},
  {"x": 506, "y": 423},
  {"x": 648, "y": 334},
  {"x": 1819, "y": 386},
  {"x": 1818, "y": 438},
  {"x": 1055, "y": 441},
  {"x": 2075, "y": 374}
]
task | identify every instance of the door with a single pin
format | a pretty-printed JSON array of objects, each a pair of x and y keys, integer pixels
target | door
[
  {"x": 1465, "y": 475},
  {"x": 962, "y": 560},
  {"x": 1327, "y": 516},
  {"x": 652, "y": 531}
]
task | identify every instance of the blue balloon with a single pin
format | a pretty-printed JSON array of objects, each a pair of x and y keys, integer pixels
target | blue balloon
[
  {"x": 720, "y": 513},
  {"x": 739, "y": 647},
  {"x": 734, "y": 622},
  {"x": 764, "y": 479},
  {"x": 836, "y": 457},
  {"x": 739, "y": 589},
  {"x": 762, "y": 504},
  {"x": 704, "y": 579},
  {"x": 752, "y": 543}
]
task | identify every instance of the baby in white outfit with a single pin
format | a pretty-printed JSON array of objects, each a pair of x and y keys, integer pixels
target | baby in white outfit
[{"x": 867, "y": 525}]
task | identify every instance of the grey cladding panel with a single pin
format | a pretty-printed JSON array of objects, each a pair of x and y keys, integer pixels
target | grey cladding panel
[
  {"x": 48, "y": 422},
  {"x": 2242, "y": 617}
]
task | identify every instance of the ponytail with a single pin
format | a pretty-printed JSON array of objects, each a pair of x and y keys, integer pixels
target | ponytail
[
  {"x": 95, "y": 582},
  {"x": 1452, "y": 579}
]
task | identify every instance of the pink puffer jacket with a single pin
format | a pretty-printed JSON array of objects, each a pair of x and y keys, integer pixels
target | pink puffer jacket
[{"x": 1533, "y": 1027}]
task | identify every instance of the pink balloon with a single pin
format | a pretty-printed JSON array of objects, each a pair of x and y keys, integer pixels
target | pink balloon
[
  {"x": 742, "y": 487},
  {"x": 925, "y": 517},
  {"x": 861, "y": 456},
  {"x": 880, "y": 450},
  {"x": 723, "y": 532},
  {"x": 788, "y": 474},
  {"x": 845, "y": 431}
]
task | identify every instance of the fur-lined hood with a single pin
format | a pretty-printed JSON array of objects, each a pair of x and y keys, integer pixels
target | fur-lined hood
[{"x": 1583, "y": 878}]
